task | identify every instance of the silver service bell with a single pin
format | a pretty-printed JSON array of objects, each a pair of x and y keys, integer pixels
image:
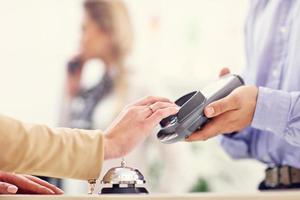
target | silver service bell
[{"x": 123, "y": 180}]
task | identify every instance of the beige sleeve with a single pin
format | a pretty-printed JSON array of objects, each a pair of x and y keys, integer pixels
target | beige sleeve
[{"x": 40, "y": 150}]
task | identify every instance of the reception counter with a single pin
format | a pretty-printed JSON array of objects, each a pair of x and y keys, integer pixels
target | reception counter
[{"x": 284, "y": 195}]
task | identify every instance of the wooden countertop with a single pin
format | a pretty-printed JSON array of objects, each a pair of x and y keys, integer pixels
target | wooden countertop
[{"x": 283, "y": 195}]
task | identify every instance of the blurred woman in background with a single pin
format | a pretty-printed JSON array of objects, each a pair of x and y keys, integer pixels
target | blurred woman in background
[{"x": 107, "y": 37}]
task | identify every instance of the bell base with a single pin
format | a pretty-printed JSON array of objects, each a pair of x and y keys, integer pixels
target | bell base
[{"x": 124, "y": 190}]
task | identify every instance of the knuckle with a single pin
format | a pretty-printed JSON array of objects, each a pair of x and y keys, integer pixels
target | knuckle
[
  {"x": 155, "y": 105},
  {"x": 235, "y": 99},
  {"x": 158, "y": 104},
  {"x": 131, "y": 111},
  {"x": 3, "y": 186},
  {"x": 219, "y": 107},
  {"x": 150, "y": 98},
  {"x": 160, "y": 113}
]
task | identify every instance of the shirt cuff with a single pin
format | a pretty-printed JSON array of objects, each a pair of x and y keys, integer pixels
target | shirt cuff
[
  {"x": 230, "y": 135},
  {"x": 271, "y": 112},
  {"x": 236, "y": 148}
]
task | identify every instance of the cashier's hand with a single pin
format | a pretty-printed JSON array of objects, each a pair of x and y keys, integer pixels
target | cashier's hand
[
  {"x": 11, "y": 183},
  {"x": 229, "y": 114},
  {"x": 134, "y": 124}
]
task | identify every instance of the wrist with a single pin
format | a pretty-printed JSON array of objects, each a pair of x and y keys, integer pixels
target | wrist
[{"x": 111, "y": 148}]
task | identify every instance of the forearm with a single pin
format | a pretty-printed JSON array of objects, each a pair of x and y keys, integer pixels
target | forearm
[
  {"x": 278, "y": 112},
  {"x": 39, "y": 150}
]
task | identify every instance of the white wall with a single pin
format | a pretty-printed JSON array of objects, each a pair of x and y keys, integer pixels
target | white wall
[{"x": 36, "y": 39}]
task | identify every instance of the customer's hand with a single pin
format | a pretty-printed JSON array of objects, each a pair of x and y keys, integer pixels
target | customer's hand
[
  {"x": 135, "y": 123},
  {"x": 11, "y": 183},
  {"x": 229, "y": 114}
]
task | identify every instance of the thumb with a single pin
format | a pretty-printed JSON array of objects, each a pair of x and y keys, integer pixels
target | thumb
[
  {"x": 218, "y": 107},
  {"x": 7, "y": 188}
]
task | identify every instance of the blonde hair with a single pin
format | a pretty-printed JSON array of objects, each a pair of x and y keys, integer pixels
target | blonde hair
[{"x": 113, "y": 18}]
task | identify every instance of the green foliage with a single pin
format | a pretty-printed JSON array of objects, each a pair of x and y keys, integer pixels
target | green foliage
[{"x": 200, "y": 186}]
